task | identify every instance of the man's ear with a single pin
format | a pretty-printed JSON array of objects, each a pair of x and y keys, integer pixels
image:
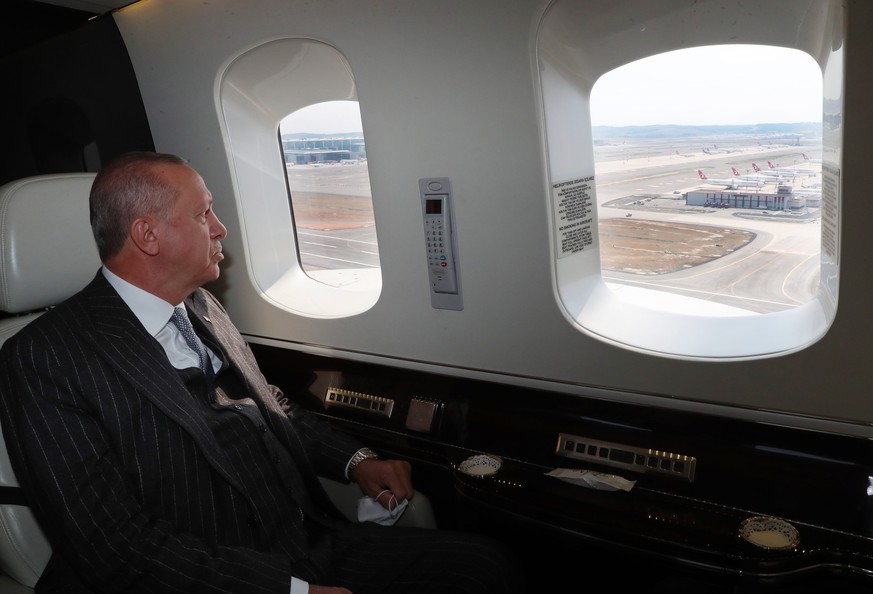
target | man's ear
[{"x": 142, "y": 233}]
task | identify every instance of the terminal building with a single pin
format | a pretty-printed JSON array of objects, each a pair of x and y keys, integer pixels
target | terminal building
[
  {"x": 323, "y": 149},
  {"x": 773, "y": 197}
]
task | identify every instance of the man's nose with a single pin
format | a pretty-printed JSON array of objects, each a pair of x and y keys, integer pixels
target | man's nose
[{"x": 219, "y": 231}]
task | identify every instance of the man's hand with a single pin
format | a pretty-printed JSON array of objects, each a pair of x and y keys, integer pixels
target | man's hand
[{"x": 394, "y": 477}]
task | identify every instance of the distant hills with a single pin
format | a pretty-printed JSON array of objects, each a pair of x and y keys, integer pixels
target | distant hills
[
  {"x": 316, "y": 135},
  {"x": 771, "y": 131}
]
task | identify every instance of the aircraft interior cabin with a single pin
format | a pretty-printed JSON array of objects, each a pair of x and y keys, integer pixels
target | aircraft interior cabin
[{"x": 535, "y": 248}]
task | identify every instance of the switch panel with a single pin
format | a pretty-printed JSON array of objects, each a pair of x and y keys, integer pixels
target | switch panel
[
  {"x": 635, "y": 459},
  {"x": 422, "y": 414},
  {"x": 358, "y": 401}
]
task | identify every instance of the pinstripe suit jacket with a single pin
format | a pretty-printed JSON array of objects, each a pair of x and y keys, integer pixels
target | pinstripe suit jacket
[{"x": 124, "y": 474}]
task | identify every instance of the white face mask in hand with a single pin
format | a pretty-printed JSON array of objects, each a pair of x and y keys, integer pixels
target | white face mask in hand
[{"x": 370, "y": 510}]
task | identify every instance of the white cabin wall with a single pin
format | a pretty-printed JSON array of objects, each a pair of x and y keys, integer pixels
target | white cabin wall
[{"x": 449, "y": 89}]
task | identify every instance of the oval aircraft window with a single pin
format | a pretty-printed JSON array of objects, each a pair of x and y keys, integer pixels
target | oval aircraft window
[
  {"x": 295, "y": 142},
  {"x": 329, "y": 183},
  {"x": 704, "y": 225}
]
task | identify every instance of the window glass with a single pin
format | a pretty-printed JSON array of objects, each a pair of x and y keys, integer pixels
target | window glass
[
  {"x": 708, "y": 179},
  {"x": 329, "y": 186}
]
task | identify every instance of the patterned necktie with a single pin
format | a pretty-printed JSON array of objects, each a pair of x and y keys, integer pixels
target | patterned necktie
[{"x": 180, "y": 319}]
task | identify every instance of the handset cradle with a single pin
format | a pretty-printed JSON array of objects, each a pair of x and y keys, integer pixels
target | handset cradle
[{"x": 440, "y": 242}]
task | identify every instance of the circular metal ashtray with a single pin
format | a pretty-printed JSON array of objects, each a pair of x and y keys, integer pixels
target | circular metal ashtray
[
  {"x": 480, "y": 465},
  {"x": 769, "y": 533}
]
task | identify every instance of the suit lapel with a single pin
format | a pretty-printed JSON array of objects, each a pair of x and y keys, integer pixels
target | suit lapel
[
  {"x": 212, "y": 320},
  {"x": 214, "y": 326},
  {"x": 217, "y": 329},
  {"x": 141, "y": 361}
]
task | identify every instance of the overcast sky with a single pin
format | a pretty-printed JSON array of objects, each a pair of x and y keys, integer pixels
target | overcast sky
[
  {"x": 334, "y": 116},
  {"x": 729, "y": 84}
]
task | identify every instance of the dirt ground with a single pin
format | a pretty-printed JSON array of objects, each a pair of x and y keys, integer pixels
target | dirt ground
[
  {"x": 327, "y": 212},
  {"x": 651, "y": 247},
  {"x": 627, "y": 245}
]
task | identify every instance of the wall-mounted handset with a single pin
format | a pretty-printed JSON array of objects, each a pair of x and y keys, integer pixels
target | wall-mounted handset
[{"x": 441, "y": 243}]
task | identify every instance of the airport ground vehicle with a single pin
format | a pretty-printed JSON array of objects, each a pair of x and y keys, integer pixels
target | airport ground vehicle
[{"x": 525, "y": 357}]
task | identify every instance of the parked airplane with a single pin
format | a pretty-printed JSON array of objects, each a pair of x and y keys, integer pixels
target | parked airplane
[
  {"x": 773, "y": 174},
  {"x": 754, "y": 178},
  {"x": 717, "y": 151},
  {"x": 790, "y": 170},
  {"x": 673, "y": 401},
  {"x": 733, "y": 182},
  {"x": 771, "y": 145}
]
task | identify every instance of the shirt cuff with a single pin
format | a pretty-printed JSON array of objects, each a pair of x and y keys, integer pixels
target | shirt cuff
[{"x": 299, "y": 586}]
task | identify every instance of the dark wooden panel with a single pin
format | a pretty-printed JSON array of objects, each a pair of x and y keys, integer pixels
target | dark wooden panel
[{"x": 816, "y": 481}]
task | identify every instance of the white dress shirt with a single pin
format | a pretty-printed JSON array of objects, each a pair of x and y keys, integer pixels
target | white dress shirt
[{"x": 154, "y": 314}]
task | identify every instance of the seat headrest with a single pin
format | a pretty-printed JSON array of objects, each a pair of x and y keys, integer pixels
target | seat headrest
[{"x": 47, "y": 250}]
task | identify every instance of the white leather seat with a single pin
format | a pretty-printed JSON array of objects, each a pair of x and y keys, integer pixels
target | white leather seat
[{"x": 47, "y": 253}]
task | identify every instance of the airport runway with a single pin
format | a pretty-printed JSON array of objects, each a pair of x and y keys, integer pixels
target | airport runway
[{"x": 778, "y": 270}]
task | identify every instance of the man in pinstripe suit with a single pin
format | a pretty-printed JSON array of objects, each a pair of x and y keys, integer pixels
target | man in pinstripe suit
[{"x": 151, "y": 474}]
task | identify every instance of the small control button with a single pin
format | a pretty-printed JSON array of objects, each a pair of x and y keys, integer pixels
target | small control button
[{"x": 621, "y": 456}]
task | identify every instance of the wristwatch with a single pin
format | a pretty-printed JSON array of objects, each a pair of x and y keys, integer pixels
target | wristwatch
[{"x": 360, "y": 456}]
